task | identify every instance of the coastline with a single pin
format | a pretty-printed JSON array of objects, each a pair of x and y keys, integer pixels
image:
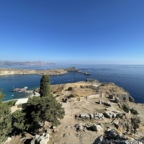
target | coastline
[
  {"x": 25, "y": 71},
  {"x": 130, "y": 78},
  {"x": 51, "y": 72}
]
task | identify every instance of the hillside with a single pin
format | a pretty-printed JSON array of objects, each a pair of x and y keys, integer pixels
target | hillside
[{"x": 94, "y": 115}]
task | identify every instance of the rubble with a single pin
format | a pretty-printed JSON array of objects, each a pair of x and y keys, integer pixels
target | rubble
[{"x": 98, "y": 116}]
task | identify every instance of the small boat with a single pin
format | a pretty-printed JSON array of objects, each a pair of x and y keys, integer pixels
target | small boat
[{"x": 86, "y": 73}]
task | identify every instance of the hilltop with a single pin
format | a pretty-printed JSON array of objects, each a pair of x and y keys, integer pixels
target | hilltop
[{"x": 94, "y": 113}]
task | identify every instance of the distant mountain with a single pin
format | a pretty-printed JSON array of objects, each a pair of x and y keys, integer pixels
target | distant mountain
[{"x": 9, "y": 63}]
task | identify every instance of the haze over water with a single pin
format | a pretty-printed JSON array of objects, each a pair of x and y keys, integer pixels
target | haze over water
[{"x": 130, "y": 77}]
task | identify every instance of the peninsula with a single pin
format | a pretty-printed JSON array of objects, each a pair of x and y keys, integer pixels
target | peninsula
[{"x": 41, "y": 72}]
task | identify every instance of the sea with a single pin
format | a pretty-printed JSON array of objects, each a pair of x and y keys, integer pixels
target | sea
[{"x": 130, "y": 77}]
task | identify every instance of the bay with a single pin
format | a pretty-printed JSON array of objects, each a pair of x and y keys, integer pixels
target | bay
[{"x": 130, "y": 77}]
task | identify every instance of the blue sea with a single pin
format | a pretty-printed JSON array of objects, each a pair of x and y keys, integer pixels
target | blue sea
[{"x": 130, "y": 77}]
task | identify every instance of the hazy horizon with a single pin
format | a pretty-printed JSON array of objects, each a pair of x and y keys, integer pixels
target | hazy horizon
[{"x": 73, "y": 32}]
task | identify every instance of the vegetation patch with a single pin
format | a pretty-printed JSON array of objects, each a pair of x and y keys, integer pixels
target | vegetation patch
[{"x": 70, "y": 89}]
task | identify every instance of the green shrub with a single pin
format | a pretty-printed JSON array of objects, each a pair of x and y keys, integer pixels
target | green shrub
[
  {"x": 71, "y": 96},
  {"x": 134, "y": 112},
  {"x": 19, "y": 106},
  {"x": 135, "y": 122},
  {"x": 125, "y": 108},
  {"x": 70, "y": 89}
]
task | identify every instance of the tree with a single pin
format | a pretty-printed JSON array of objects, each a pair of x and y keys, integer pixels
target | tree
[
  {"x": 134, "y": 112},
  {"x": 125, "y": 108},
  {"x": 18, "y": 121},
  {"x": 1, "y": 96},
  {"x": 5, "y": 120},
  {"x": 43, "y": 109},
  {"x": 44, "y": 86}
]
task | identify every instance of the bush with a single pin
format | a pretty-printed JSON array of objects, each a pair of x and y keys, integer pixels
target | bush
[
  {"x": 125, "y": 108},
  {"x": 10, "y": 103},
  {"x": 135, "y": 122},
  {"x": 134, "y": 112},
  {"x": 70, "y": 89},
  {"x": 81, "y": 86},
  {"x": 71, "y": 96}
]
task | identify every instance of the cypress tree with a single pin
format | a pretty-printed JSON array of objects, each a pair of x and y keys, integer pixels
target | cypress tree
[
  {"x": 44, "y": 108},
  {"x": 44, "y": 86}
]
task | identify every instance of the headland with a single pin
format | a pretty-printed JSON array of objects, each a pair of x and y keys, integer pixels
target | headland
[{"x": 53, "y": 72}]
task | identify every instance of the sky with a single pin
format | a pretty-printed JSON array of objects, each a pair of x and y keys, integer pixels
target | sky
[{"x": 72, "y": 31}]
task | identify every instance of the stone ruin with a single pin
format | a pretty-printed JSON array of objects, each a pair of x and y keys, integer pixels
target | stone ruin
[
  {"x": 41, "y": 139},
  {"x": 88, "y": 126},
  {"x": 97, "y": 116},
  {"x": 105, "y": 103}
]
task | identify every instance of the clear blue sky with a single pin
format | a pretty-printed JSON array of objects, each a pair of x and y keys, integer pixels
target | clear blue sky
[{"x": 72, "y": 31}]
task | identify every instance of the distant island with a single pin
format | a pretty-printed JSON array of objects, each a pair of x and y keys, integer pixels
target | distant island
[{"x": 11, "y": 63}]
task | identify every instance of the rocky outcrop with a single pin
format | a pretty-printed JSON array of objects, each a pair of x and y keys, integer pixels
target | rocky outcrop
[
  {"x": 40, "y": 139},
  {"x": 105, "y": 103},
  {"x": 88, "y": 126},
  {"x": 109, "y": 114},
  {"x": 111, "y": 90},
  {"x": 112, "y": 137},
  {"x": 98, "y": 116}
]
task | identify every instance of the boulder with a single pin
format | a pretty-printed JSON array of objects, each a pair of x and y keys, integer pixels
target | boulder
[
  {"x": 85, "y": 116},
  {"x": 98, "y": 128},
  {"x": 91, "y": 116},
  {"x": 106, "y": 103},
  {"x": 112, "y": 137},
  {"x": 41, "y": 139},
  {"x": 93, "y": 127},
  {"x": 98, "y": 116},
  {"x": 109, "y": 114},
  {"x": 79, "y": 127},
  {"x": 117, "y": 100},
  {"x": 130, "y": 142}
]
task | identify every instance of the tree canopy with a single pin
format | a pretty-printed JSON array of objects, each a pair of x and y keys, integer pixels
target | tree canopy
[
  {"x": 37, "y": 112},
  {"x": 5, "y": 120},
  {"x": 40, "y": 109},
  {"x": 1, "y": 96},
  {"x": 45, "y": 109}
]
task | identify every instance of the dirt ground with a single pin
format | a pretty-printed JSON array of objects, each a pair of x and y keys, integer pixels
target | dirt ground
[{"x": 67, "y": 132}]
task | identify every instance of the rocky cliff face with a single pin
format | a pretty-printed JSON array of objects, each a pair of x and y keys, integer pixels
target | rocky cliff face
[{"x": 111, "y": 90}]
